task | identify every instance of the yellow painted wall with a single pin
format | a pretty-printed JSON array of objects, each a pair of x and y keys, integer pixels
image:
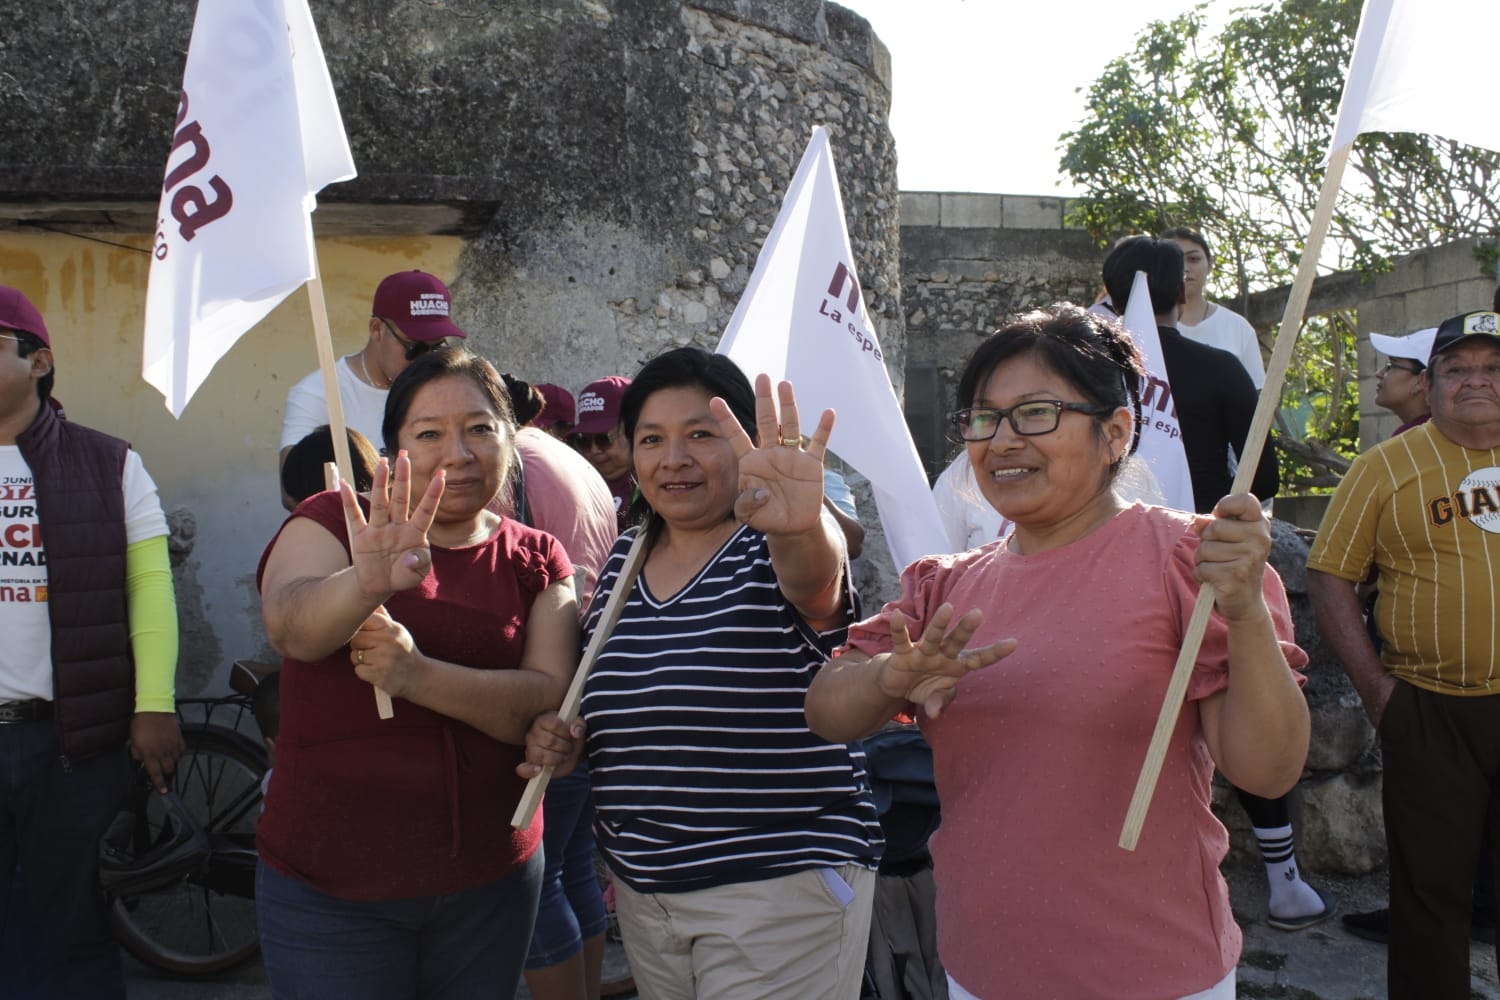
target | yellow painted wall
[{"x": 220, "y": 460}]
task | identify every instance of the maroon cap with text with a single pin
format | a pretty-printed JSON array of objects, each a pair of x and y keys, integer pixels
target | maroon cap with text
[
  {"x": 418, "y": 304},
  {"x": 599, "y": 404}
]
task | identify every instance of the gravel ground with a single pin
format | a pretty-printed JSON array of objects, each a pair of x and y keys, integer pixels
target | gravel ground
[{"x": 1324, "y": 962}]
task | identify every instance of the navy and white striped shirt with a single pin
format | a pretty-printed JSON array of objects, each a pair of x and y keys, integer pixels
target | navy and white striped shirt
[{"x": 703, "y": 768}]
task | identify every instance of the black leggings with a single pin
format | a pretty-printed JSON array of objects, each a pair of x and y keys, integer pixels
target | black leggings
[{"x": 1265, "y": 814}]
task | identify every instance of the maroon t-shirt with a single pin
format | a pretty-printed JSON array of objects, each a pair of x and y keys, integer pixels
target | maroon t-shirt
[{"x": 420, "y": 804}]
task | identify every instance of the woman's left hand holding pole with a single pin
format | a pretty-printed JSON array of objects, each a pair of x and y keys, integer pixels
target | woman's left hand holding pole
[
  {"x": 1235, "y": 543},
  {"x": 1257, "y": 730}
]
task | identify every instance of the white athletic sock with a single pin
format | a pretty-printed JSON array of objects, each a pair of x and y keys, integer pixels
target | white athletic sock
[{"x": 1291, "y": 897}]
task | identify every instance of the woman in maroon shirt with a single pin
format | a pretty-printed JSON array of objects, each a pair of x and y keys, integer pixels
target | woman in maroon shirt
[{"x": 388, "y": 865}]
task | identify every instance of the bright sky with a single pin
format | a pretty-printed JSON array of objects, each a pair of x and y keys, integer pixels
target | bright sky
[{"x": 983, "y": 88}]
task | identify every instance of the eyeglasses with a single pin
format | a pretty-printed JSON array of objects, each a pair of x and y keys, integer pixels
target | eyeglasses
[
  {"x": 593, "y": 442},
  {"x": 1029, "y": 419},
  {"x": 414, "y": 348},
  {"x": 1386, "y": 368},
  {"x": 10, "y": 336}
]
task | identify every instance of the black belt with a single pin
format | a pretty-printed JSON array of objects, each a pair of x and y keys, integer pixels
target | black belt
[{"x": 34, "y": 710}]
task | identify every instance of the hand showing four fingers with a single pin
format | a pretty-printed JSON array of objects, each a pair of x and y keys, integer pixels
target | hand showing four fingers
[
  {"x": 927, "y": 672},
  {"x": 389, "y": 550},
  {"x": 781, "y": 482}
]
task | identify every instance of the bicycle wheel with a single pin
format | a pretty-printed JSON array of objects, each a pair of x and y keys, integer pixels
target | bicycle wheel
[{"x": 206, "y": 923}]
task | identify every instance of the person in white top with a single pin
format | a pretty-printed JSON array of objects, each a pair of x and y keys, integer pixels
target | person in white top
[
  {"x": 409, "y": 318},
  {"x": 1210, "y": 323},
  {"x": 968, "y": 519}
]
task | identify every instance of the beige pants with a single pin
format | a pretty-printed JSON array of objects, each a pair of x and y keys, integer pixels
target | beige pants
[{"x": 798, "y": 937}]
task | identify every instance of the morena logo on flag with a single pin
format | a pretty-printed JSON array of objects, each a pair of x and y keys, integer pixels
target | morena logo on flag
[
  {"x": 802, "y": 318},
  {"x": 191, "y": 208},
  {"x": 843, "y": 276},
  {"x": 256, "y": 114}
]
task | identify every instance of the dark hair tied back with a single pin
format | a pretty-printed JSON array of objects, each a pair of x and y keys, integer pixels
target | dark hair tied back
[{"x": 526, "y": 400}]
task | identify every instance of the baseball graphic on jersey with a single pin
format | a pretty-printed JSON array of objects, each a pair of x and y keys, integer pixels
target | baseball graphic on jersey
[{"x": 1476, "y": 484}]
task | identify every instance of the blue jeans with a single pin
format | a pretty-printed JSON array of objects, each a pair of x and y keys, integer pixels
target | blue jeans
[
  {"x": 572, "y": 904},
  {"x": 52, "y": 815},
  {"x": 453, "y": 947}
]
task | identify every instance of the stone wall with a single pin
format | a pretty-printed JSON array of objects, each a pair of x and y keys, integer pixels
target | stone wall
[
  {"x": 616, "y": 162},
  {"x": 1420, "y": 290},
  {"x": 967, "y": 262},
  {"x": 712, "y": 104},
  {"x": 1336, "y": 813}
]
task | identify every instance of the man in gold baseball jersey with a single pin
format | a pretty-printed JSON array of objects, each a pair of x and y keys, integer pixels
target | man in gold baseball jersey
[{"x": 1424, "y": 509}]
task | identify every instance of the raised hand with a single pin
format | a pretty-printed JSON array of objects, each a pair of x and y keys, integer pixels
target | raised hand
[
  {"x": 1236, "y": 541},
  {"x": 927, "y": 672},
  {"x": 781, "y": 482},
  {"x": 389, "y": 551}
]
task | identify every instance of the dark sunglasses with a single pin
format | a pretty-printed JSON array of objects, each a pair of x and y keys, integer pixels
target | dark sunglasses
[
  {"x": 592, "y": 442},
  {"x": 414, "y": 348},
  {"x": 1386, "y": 368}
]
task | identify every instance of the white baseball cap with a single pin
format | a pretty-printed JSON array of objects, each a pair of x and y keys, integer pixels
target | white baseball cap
[{"x": 1412, "y": 347}]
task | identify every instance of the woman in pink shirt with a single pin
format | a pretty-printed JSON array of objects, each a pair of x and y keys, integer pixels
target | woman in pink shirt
[{"x": 1040, "y": 662}]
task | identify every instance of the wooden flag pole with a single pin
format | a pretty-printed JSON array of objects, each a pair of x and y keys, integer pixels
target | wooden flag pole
[
  {"x": 342, "y": 467},
  {"x": 1260, "y": 426},
  {"x": 327, "y": 365},
  {"x": 532, "y": 797}
]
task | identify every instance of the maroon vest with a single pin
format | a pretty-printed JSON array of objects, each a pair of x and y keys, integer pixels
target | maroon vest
[{"x": 81, "y": 508}]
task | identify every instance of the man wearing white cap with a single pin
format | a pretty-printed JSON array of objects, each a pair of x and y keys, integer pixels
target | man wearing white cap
[
  {"x": 1424, "y": 510},
  {"x": 1399, "y": 386}
]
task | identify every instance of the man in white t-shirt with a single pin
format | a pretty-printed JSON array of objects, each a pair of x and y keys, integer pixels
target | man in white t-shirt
[
  {"x": 1208, "y": 322},
  {"x": 89, "y": 657},
  {"x": 410, "y": 317}
]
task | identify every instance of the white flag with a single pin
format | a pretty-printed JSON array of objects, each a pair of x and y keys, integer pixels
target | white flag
[
  {"x": 1161, "y": 435},
  {"x": 1407, "y": 72},
  {"x": 258, "y": 134},
  {"x": 803, "y": 318}
]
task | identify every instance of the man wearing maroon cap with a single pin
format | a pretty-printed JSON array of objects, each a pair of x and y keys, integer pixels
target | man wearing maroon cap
[
  {"x": 558, "y": 411},
  {"x": 599, "y": 437},
  {"x": 409, "y": 318},
  {"x": 89, "y": 657}
]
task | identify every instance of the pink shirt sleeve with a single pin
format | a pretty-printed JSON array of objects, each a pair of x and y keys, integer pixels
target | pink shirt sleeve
[
  {"x": 922, "y": 588},
  {"x": 1211, "y": 671}
]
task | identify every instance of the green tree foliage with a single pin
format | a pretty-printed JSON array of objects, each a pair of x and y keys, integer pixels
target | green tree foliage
[
  {"x": 1225, "y": 130},
  {"x": 1317, "y": 424}
]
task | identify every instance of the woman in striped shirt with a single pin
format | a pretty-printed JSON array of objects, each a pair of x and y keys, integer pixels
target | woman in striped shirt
[{"x": 743, "y": 846}]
